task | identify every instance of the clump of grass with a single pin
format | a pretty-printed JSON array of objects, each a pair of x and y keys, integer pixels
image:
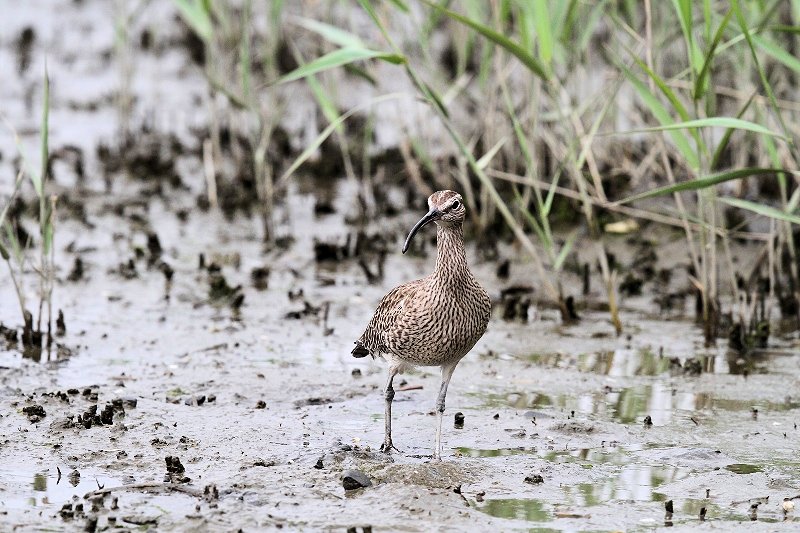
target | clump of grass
[{"x": 16, "y": 254}]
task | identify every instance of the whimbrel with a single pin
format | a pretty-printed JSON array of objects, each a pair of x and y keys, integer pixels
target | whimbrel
[{"x": 433, "y": 321}]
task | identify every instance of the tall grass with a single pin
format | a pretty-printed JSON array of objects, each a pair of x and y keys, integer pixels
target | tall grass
[{"x": 692, "y": 83}]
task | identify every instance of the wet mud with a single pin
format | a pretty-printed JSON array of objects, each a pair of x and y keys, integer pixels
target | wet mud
[
  {"x": 203, "y": 381},
  {"x": 179, "y": 409}
]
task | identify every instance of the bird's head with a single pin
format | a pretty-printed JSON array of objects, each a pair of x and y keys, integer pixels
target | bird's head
[{"x": 446, "y": 208}]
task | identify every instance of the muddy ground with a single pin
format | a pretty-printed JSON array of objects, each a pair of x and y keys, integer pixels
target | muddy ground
[{"x": 218, "y": 393}]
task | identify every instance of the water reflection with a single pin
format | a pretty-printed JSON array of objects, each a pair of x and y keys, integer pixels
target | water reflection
[
  {"x": 627, "y": 362},
  {"x": 634, "y": 483},
  {"x": 498, "y": 452},
  {"x": 520, "y": 509},
  {"x": 47, "y": 487},
  {"x": 741, "y": 468},
  {"x": 631, "y": 404}
]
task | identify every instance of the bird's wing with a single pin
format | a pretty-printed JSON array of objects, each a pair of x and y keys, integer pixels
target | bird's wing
[{"x": 387, "y": 316}]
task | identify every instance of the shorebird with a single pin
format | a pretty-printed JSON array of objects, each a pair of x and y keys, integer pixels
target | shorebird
[{"x": 433, "y": 321}]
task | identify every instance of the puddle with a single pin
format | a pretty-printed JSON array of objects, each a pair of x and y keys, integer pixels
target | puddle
[
  {"x": 497, "y": 452},
  {"x": 44, "y": 488},
  {"x": 742, "y": 468},
  {"x": 633, "y": 483},
  {"x": 631, "y": 404},
  {"x": 628, "y": 362},
  {"x": 589, "y": 456},
  {"x": 519, "y": 509}
]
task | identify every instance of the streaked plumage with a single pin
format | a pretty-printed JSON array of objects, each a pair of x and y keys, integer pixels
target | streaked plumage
[{"x": 433, "y": 321}]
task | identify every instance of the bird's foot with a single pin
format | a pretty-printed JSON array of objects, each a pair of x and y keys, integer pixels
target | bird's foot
[{"x": 387, "y": 447}]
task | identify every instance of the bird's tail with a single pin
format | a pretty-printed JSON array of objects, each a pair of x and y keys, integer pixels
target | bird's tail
[{"x": 360, "y": 350}]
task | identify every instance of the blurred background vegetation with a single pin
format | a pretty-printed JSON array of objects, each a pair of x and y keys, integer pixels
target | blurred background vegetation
[
  {"x": 586, "y": 101},
  {"x": 561, "y": 122}
]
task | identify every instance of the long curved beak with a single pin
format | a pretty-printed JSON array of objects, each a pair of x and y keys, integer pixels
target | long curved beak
[{"x": 432, "y": 215}]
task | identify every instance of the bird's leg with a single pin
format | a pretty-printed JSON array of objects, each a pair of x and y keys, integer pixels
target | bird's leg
[
  {"x": 447, "y": 373},
  {"x": 388, "y": 397}
]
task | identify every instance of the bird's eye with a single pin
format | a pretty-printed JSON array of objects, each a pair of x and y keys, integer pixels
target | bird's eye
[{"x": 455, "y": 205}]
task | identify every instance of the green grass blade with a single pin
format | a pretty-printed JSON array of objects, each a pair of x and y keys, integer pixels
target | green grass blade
[
  {"x": 723, "y": 143},
  {"x": 677, "y": 105},
  {"x": 325, "y": 103},
  {"x": 312, "y": 147},
  {"x": 663, "y": 87},
  {"x": 47, "y": 231},
  {"x": 722, "y": 122},
  {"x": 337, "y": 58},
  {"x": 662, "y": 115},
  {"x": 761, "y": 74},
  {"x": 702, "y": 183},
  {"x": 44, "y": 137},
  {"x": 13, "y": 242},
  {"x": 534, "y": 224},
  {"x": 778, "y": 53},
  {"x": 533, "y": 64},
  {"x": 564, "y": 252},
  {"x": 484, "y": 161},
  {"x": 330, "y": 33},
  {"x": 541, "y": 19},
  {"x": 17, "y": 185},
  {"x": 761, "y": 209},
  {"x": 361, "y": 73},
  {"x": 400, "y": 5},
  {"x": 197, "y": 17},
  {"x": 551, "y": 194},
  {"x": 784, "y": 28},
  {"x": 794, "y": 201},
  {"x": 684, "y": 10},
  {"x": 590, "y": 26},
  {"x": 700, "y": 85},
  {"x": 367, "y": 6}
]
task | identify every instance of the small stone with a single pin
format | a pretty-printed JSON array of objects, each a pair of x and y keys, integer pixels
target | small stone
[
  {"x": 74, "y": 478},
  {"x": 648, "y": 422},
  {"x": 458, "y": 420},
  {"x": 261, "y": 404},
  {"x": 319, "y": 465},
  {"x": 130, "y": 402},
  {"x": 535, "y": 479},
  {"x": 496, "y": 416},
  {"x": 355, "y": 479},
  {"x": 356, "y": 373},
  {"x": 34, "y": 412},
  {"x": 174, "y": 465}
]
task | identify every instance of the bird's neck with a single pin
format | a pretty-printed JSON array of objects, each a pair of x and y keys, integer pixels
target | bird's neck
[{"x": 451, "y": 258}]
